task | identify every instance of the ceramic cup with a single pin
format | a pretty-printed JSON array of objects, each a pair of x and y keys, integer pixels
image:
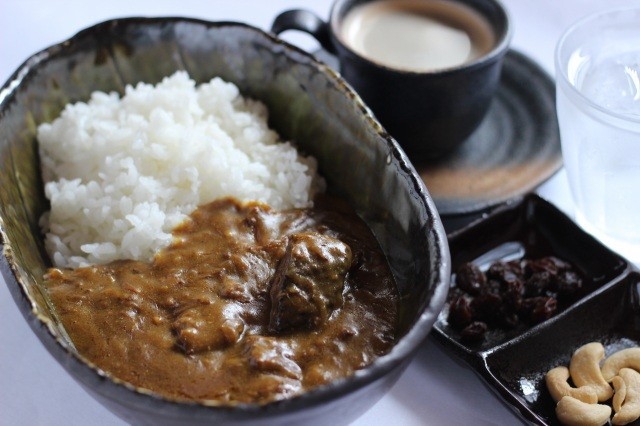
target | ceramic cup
[{"x": 429, "y": 111}]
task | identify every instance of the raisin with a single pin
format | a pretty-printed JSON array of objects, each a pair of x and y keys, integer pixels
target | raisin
[
  {"x": 538, "y": 309},
  {"x": 460, "y": 313},
  {"x": 487, "y": 306},
  {"x": 568, "y": 283},
  {"x": 470, "y": 278},
  {"x": 560, "y": 264},
  {"x": 537, "y": 284},
  {"x": 509, "y": 319},
  {"x": 492, "y": 286},
  {"x": 455, "y": 292},
  {"x": 505, "y": 271},
  {"x": 474, "y": 332},
  {"x": 516, "y": 267},
  {"x": 549, "y": 264},
  {"x": 512, "y": 292}
]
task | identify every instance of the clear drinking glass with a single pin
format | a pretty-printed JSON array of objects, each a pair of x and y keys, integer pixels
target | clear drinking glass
[{"x": 598, "y": 98}]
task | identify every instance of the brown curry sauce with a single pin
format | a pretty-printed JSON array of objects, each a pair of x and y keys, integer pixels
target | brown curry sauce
[{"x": 248, "y": 304}]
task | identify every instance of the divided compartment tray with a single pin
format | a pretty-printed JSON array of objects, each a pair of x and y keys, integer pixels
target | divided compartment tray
[{"x": 607, "y": 310}]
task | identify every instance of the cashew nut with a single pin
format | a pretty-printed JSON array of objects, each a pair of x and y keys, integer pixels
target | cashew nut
[
  {"x": 620, "y": 393},
  {"x": 571, "y": 411},
  {"x": 626, "y": 358},
  {"x": 558, "y": 387},
  {"x": 585, "y": 370},
  {"x": 630, "y": 409}
]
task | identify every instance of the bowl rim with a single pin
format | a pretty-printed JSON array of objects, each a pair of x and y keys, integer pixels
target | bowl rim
[
  {"x": 109, "y": 386},
  {"x": 569, "y": 88}
]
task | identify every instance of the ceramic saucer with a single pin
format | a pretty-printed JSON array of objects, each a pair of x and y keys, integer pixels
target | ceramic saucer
[{"x": 515, "y": 149}]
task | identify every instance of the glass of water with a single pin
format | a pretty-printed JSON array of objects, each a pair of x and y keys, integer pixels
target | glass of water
[{"x": 598, "y": 98}]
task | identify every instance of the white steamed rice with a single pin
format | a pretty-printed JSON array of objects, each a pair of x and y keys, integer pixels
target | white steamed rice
[{"x": 121, "y": 173}]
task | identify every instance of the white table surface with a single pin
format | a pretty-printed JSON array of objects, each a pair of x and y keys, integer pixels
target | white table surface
[{"x": 435, "y": 389}]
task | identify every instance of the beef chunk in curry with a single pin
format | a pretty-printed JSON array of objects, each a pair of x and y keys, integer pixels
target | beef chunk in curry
[{"x": 308, "y": 282}]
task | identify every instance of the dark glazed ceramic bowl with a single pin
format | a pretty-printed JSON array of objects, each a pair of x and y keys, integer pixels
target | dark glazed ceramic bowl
[
  {"x": 309, "y": 104},
  {"x": 513, "y": 363}
]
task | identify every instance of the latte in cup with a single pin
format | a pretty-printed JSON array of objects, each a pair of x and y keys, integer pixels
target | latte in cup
[{"x": 417, "y": 35}]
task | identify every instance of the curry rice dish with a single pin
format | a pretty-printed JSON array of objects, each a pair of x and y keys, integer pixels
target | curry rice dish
[{"x": 248, "y": 304}]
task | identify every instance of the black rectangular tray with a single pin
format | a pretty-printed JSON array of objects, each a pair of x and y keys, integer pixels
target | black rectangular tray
[{"x": 513, "y": 364}]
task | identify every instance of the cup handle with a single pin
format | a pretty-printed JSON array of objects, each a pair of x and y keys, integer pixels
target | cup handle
[{"x": 308, "y": 22}]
